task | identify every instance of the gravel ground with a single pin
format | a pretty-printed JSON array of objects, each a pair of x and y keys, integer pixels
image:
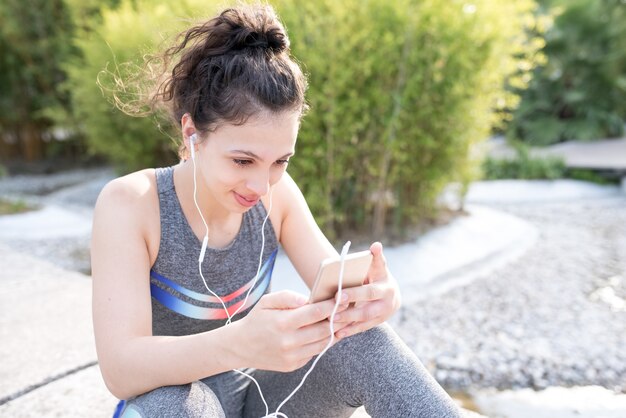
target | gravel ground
[{"x": 554, "y": 317}]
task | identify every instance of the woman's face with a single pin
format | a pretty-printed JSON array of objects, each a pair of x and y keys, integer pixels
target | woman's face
[{"x": 240, "y": 163}]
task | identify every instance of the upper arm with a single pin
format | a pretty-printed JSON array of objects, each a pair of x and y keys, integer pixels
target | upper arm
[
  {"x": 301, "y": 238},
  {"x": 120, "y": 267}
]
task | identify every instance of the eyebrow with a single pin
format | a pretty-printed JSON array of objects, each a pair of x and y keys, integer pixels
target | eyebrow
[{"x": 253, "y": 155}]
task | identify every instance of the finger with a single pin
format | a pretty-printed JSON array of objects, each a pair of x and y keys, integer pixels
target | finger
[
  {"x": 364, "y": 313},
  {"x": 320, "y": 331},
  {"x": 366, "y": 292},
  {"x": 311, "y": 313},
  {"x": 313, "y": 349},
  {"x": 339, "y": 326},
  {"x": 376, "y": 249},
  {"x": 378, "y": 268},
  {"x": 342, "y": 307},
  {"x": 285, "y": 299},
  {"x": 358, "y": 327}
]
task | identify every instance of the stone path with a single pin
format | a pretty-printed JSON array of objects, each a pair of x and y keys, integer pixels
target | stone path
[{"x": 555, "y": 316}]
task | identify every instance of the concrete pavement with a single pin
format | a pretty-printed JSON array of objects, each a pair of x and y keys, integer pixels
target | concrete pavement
[{"x": 49, "y": 359}]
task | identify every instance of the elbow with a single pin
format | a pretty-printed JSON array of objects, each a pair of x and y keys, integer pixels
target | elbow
[
  {"x": 115, "y": 391},
  {"x": 118, "y": 380},
  {"x": 116, "y": 384}
]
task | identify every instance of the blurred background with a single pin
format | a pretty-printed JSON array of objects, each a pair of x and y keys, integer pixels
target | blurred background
[{"x": 482, "y": 141}]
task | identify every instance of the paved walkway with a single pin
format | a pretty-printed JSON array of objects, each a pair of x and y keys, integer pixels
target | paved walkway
[
  {"x": 609, "y": 154},
  {"x": 45, "y": 316},
  {"x": 46, "y": 332}
]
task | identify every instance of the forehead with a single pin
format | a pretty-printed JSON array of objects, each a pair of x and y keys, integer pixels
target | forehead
[{"x": 266, "y": 134}]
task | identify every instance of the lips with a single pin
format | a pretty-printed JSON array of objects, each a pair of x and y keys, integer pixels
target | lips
[{"x": 246, "y": 201}]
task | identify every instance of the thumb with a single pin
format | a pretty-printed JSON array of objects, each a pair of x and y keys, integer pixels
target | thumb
[
  {"x": 285, "y": 299},
  {"x": 378, "y": 268}
]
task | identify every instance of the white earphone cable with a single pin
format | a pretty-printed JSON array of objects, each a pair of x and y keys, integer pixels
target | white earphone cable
[
  {"x": 256, "y": 277},
  {"x": 205, "y": 241}
]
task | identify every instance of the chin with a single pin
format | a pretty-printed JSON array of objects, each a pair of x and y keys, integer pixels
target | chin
[
  {"x": 242, "y": 210},
  {"x": 235, "y": 207}
]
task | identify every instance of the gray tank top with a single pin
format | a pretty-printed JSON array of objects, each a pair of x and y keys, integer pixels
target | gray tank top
[{"x": 181, "y": 305}]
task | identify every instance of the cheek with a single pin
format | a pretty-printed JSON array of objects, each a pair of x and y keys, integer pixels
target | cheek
[
  {"x": 220, "y": 175},
  {"x": 229, "y": 176},
  {"x": 276, "y": 174}
]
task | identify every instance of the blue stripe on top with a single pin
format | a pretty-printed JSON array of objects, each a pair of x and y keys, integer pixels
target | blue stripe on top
[{"x": 169, "y": 299}]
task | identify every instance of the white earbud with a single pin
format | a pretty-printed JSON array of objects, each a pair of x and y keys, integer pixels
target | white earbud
[{"x": 192, "y": 145}]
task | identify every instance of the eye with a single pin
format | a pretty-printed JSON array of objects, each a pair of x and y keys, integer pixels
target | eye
[
  {"x": 282, "y": 162},
  {"x": 242, "y": 163}
]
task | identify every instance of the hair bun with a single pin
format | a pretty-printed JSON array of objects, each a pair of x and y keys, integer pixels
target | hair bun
[
  {"x": 260, "y": 29},
  {"x": 272, "y": 39}
]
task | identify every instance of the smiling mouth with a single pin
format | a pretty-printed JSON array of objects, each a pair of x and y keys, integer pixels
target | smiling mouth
[{"x": 245, "y": 201}]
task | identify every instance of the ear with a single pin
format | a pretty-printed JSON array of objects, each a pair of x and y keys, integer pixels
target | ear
[{"x": 188, "y": 128}]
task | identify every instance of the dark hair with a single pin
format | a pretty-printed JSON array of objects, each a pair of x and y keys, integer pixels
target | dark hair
[{"x": 230, "y": 68}]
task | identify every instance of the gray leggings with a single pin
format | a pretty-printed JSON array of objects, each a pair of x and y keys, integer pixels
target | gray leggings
[{"x": 374, "y": 368}]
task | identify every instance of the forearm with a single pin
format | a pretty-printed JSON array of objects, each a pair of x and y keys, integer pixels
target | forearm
[{"x": 141, "y": 364}]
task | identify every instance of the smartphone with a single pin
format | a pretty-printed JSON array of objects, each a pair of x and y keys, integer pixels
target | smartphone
[{"x": 327, "y": 280}]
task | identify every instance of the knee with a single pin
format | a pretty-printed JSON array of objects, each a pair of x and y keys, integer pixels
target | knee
[
  {"x": 379, "y": 336},
  {"x": 189, "y": 401},
  {"x": 377, "y": 345}
]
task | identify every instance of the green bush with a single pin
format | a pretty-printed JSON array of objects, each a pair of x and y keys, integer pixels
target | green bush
[
  {"x": 113, "y": 48},
  {"x": 524, "y": 166},
  {"x": 34, "y": 40},
  {"x": 11, "y": 207},
  {"x": 580, "y": 93},
  {"x": 400, "y": 91},
  {"x": 528, "y": 167},
  {"x": 591, "y": 175}
]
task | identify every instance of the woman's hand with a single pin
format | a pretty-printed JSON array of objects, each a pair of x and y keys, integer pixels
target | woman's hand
[
  {"x": 283, "y": 332},
  {"x": 374, "y": 302}
]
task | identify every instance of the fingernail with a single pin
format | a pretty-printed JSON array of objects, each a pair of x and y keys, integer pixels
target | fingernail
[
  {"x": 337, "y": 317},
  {"x": 344, "y": 297},
  {"x": 301, "y": 300}
]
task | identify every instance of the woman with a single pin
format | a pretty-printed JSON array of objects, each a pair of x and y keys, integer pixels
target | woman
[{"x": 177, "y": 250}]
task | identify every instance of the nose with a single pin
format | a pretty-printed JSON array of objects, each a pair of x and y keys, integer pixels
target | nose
[{"x": 259, "y": 184}]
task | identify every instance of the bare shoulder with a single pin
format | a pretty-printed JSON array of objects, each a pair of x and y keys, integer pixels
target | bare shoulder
[
  {"x": 132, "y": 189},
  {"x": 129, "y": 205},
  {"x": 289, "y": 195}
]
